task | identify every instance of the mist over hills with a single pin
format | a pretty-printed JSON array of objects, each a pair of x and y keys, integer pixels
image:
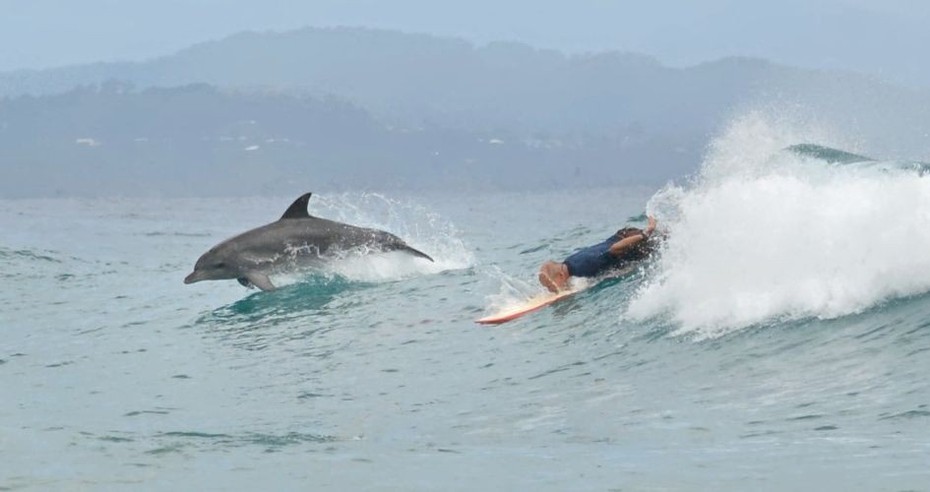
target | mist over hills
[
  {"x": 413, "y": 78},
  {"x": 372, "y": 108},
  {"x": 197, "y": 140}
]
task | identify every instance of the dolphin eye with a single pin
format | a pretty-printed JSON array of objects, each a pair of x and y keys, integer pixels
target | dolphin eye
[{"x": 219, "y": 265}]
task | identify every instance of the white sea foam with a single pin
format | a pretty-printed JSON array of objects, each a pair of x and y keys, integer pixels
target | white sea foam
[
  {"x": 515, "y": 292},
  {"x": 764, "y": 235}
]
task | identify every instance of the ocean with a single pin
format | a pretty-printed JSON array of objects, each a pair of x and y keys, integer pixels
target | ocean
[{"x": 780, "y": 341}]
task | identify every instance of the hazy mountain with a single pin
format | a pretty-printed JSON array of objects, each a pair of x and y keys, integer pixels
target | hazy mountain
[
  {"x": 199, "y": 141},
  {"x": 415, "y": 78},
  {"x": 412, "y": 78},
  {"x": 879, "y": 37},
  {"x": 360, "y": 107}
]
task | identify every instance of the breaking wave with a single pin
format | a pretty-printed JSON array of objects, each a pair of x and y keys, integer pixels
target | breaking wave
[{"x": 774, "y": 231}]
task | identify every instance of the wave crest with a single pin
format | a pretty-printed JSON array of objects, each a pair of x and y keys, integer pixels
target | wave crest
[{"x": 784, "y": 236}]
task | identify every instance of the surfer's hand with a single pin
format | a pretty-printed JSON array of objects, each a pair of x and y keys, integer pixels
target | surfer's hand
[{"x": 651, "y": 227}]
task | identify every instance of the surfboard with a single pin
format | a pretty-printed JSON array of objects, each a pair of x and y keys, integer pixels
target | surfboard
[
  {"x": 544, "y": 299},
  {"x": 534, "y": 303}
]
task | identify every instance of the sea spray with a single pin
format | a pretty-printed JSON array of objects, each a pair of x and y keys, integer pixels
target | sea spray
[
  {"x": 517, "y": 292},
  {"x": 784, "y": 236}
]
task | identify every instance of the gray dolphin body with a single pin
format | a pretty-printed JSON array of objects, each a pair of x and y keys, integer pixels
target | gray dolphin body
[{"x": 296, "y": 240}]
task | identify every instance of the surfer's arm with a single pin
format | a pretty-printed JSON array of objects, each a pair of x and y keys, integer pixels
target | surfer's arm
[
  {"x": 650, "y": 227},
  {"x": 621, "y": 246}
]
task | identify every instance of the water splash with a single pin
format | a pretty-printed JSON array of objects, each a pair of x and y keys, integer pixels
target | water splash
[
  {"x": 418, "y": 226},
  {"x": 765, "y": 235},
  {"x": 515, "y": 292}
]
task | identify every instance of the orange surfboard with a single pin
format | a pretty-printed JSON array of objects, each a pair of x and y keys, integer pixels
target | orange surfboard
[
  {"x": 544, "y": 299},
  {"x": 532, "y": 304}
]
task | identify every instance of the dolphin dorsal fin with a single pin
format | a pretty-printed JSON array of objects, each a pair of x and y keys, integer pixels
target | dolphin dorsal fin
[{"x": 298, "y": 209}]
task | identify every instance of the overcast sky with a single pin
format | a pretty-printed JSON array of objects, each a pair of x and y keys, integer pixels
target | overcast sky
[{"x": 887, "y": 38}]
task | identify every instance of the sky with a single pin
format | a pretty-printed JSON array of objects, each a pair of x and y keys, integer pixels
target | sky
[{"x": 885, "y": 38}]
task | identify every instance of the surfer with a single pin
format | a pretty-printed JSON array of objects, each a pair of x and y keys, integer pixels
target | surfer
[{"x": 620, "y": 249}]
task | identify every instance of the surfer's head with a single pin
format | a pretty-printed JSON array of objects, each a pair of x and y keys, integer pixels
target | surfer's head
[{"x": 554, "y": 276}]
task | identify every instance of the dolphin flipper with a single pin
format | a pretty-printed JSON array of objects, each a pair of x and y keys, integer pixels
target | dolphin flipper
[{"x": 259, "y": 280}]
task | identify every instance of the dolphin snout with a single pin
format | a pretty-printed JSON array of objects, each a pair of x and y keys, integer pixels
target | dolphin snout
[{"x": 193, "y": 277}]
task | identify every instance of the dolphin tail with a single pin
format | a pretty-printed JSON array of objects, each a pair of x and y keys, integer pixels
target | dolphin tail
[{"x": 416, "y": 252}]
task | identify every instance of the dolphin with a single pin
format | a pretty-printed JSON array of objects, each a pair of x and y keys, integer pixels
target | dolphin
[{"x": 296, "y": 239}]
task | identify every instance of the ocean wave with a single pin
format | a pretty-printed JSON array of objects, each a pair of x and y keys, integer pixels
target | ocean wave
[
  {"x": 764, "y": 234},
  {"x": 28, "y": 255}
]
